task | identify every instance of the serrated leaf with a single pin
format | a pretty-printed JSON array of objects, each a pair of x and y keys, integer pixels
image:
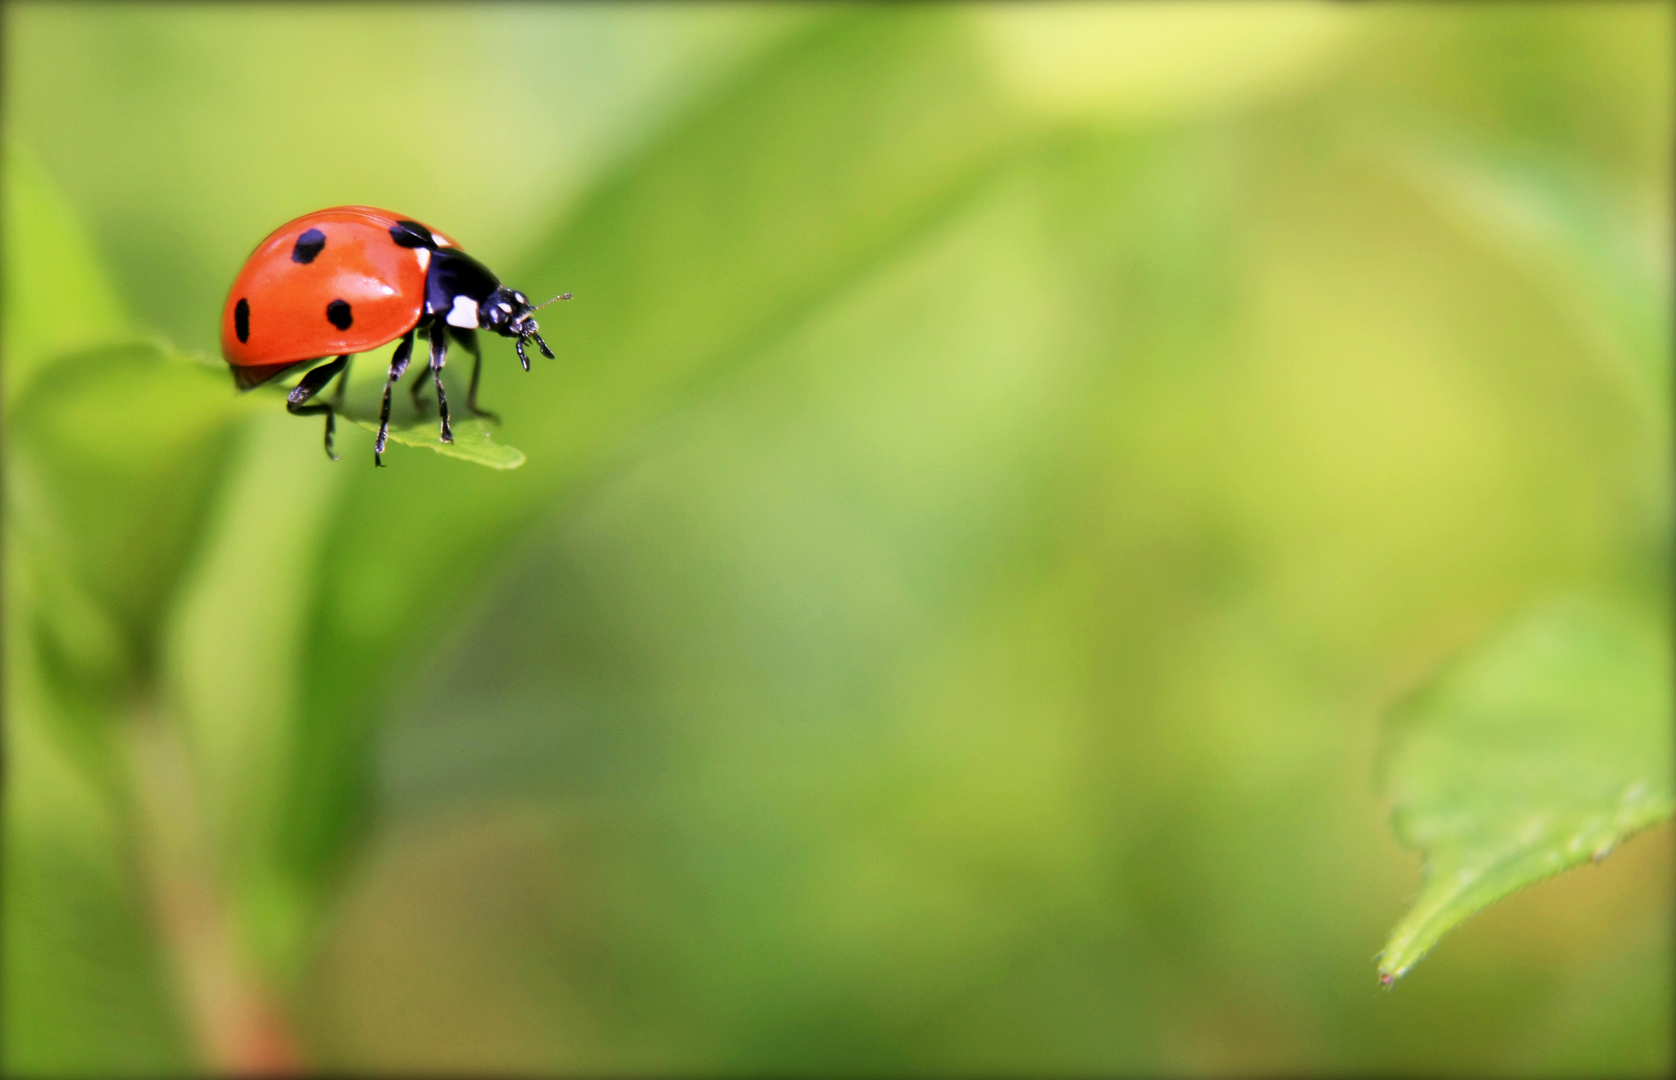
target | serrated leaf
[
  {"x": 1542, "y": 749},
  {"x": 473, "y": 441}
]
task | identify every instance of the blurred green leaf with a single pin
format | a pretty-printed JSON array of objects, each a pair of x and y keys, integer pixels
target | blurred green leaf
[
  {"x": 473, "y": 441},
  {"x": 113, "y": 453},
  {"x": 86, "y": 984},
  {"x": 54, "y": 294},
  {"x": 1561, "y": 226},
  {"x": 1544, "y": 748}
]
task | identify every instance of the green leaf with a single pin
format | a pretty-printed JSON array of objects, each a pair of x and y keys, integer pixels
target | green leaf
[
  {"x": 56, "y": 295},
  {"x": 86, "y": 985},
  {"x": 113, "y": 454},
  {"x": 1561, "y": 228},
  {"x": 1542, "y": 749},
  {"x": 473, "y": 441}
]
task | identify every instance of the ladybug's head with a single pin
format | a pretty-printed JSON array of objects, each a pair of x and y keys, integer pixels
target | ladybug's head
[{"x": 508, "y": 312}]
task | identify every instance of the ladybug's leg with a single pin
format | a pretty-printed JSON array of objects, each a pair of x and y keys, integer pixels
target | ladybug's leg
[
  {"x": 417, "y": 386},
  {"x": 468, "y": 341},
  {"x": 398, "y": 367},
  {"x": 312, "y": 384},
  {"x": 343, "y": 383},
  {"x": 439, "y": 357}
]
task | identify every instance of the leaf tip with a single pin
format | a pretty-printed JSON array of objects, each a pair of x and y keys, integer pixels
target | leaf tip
[{"x": 1389, "y": 973}]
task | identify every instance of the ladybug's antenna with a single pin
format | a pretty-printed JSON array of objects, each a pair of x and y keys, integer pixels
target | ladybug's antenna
[{"x": 561, "y": 296}]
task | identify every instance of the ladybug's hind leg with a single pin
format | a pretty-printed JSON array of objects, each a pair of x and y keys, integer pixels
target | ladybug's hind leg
[
  {"x": 417, "y": 387},
  {"x": 343, "y": 382},
  {"x": 439, "y": 357},
  {"x": 311, "y": 384},
  {"x": 398, "y": 366},
  {"x": 468, "y": 341}
]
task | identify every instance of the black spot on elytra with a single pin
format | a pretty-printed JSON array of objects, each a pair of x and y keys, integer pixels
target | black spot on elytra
[
  {"x": 308, "y": 246},
  {"x": 338, "y": 313},
  {"x": 241, "y": 320},
  {"x": 411, "y": 234}
]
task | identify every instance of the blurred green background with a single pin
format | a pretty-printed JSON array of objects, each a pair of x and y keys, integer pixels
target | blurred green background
[{"x": 1001, "y": 465}]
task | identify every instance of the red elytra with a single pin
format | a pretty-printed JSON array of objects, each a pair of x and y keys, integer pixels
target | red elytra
[
  {"x": 287, "y": 289},
  {"x": 352, "y": 278}
]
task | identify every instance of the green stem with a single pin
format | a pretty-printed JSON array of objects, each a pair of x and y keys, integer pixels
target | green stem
[{"x": 239, "y": 1027}]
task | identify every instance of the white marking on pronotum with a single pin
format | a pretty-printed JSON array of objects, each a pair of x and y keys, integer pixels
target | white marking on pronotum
[
  {"x": 463, "y": 313},
  {"x": 424, "y": 258}
]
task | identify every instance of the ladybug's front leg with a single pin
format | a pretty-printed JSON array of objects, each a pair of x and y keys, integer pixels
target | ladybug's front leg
[
  {"x": 398, "y": 365},
  {"x": 439, "y": 356},
  {"x": 312, "y": 384}
]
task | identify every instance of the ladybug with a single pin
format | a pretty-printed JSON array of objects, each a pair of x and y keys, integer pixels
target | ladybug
[{"x": 349, "y": 279}]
